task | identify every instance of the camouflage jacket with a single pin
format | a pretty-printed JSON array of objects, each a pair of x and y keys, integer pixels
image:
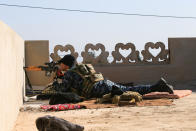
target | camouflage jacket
[{"x": 73, "y": 82}]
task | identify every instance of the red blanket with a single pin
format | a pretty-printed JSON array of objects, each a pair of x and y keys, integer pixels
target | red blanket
[{"x": 60, "y": 107}]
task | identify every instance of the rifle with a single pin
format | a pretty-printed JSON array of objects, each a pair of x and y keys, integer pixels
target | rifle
[{"x": 48, "y": 67}]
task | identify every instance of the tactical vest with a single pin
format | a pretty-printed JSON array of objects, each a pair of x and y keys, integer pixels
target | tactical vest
[{"x": 89, "y": 76}]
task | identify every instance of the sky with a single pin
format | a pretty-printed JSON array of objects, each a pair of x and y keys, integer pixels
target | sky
[{"x": 78, "y": 29}]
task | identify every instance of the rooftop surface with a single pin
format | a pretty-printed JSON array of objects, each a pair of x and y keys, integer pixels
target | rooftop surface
[{"x": 178, "y": 117}]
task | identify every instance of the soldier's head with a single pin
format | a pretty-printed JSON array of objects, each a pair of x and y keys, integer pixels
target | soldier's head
[{"x": 67, "y": 62}]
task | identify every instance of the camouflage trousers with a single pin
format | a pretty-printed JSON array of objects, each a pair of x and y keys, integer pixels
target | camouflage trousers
[{"x": 105, "y": 86}]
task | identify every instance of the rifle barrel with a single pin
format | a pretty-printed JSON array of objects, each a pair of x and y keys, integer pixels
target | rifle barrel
[{"x": 33, "y": 68}]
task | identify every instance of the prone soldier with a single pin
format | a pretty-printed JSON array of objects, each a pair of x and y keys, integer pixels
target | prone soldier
[{"x": 84, "y": 81}]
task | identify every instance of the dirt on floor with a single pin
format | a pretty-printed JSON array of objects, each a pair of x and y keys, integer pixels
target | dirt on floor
[{"x": 178, "y": 117}]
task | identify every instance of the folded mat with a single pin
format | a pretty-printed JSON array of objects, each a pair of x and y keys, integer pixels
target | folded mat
[
  {"x": 151, "y": 99},
  {"x": 90, "y": 104},
  {"x": 155, "y": 102},
  {"x": 177, "y": 94}
]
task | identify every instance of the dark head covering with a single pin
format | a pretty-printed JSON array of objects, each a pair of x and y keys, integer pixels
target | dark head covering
[{"x": 68, "y": 60}]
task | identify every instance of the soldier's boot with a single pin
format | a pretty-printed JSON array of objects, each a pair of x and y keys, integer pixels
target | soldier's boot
[{"x": 162, "y": 86}]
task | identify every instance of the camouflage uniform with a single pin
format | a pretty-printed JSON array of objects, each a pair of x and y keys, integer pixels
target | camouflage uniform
[
  {"x": 104, "y": 87},
  {"x": 75, "y": 82}
]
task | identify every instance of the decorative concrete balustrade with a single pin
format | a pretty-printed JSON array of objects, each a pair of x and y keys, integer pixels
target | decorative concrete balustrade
[
  {"x": 134, "y": 57},
  {"x": 176, "y": 64},
  {"x": 55, "y": 56}
]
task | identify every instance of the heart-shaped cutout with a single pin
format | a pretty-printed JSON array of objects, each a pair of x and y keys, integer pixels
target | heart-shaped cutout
[
  {"x": 125, "y": 52},
  {"x": 63, "y": 53},
  {"x": 154, "y": 51},
  {"x": 94, "y": 53}
]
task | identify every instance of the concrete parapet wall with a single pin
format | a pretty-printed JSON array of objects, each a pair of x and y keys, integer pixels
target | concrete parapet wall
[
  {"x": 176, "y": 64},
  {"x": 36, "y": 54},
  {"x": 11, "y": 76},
  {"x": 181, "y": 66}
]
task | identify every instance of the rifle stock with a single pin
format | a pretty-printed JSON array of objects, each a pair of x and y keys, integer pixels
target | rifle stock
[{"x": 48, "y": 68}]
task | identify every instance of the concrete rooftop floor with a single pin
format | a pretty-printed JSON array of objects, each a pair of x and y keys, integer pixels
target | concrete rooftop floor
[{"x": 178, "y": 117}]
